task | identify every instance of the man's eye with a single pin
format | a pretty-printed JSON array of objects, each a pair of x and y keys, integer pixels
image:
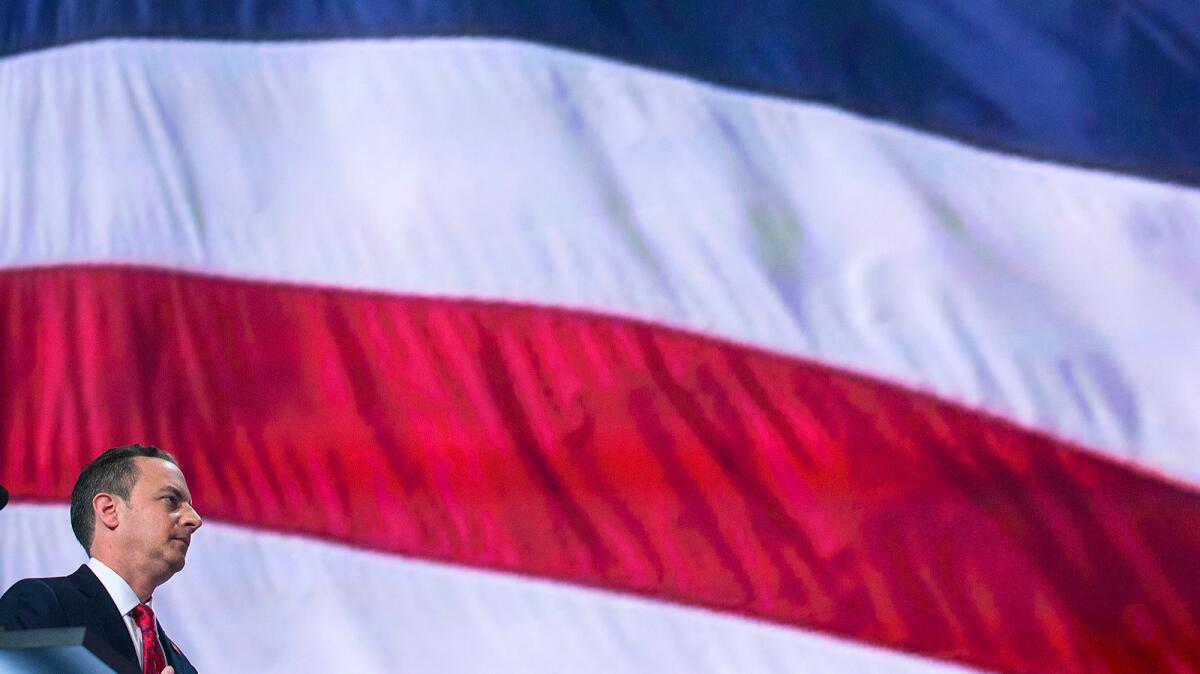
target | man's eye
[{"x": 171, "y": 501}]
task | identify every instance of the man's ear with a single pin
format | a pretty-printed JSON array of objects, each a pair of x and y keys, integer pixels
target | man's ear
[{"x": 105, "y": 508}]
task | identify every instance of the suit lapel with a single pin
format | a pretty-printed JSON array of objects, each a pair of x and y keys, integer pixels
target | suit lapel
[
  {"x": 175, "y": 657},
  {"x": 102, "y": 613},
  {"x": 167, "y": 647}
]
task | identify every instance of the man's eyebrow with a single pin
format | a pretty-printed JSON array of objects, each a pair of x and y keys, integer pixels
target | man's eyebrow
[{"x": 173, "y": 491}]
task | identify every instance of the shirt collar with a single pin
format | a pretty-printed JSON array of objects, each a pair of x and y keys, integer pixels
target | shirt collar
[{"x": 122, "y": 595}]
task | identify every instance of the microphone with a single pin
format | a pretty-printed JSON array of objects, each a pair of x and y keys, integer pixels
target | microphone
[{"x": 3, "y": 497}]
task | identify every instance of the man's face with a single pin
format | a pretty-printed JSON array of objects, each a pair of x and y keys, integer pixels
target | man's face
[{"x": 157, "y": 522}]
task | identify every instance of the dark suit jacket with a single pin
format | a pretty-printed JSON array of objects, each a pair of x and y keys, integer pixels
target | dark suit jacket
[{"x": 78, "y": 600}]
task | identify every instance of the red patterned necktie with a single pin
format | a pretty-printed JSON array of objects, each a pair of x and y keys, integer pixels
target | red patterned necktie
[{"x": 152, "y": 651}]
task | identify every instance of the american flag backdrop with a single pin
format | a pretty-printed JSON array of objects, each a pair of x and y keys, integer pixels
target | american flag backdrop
[{"x": 611, "y": 336}]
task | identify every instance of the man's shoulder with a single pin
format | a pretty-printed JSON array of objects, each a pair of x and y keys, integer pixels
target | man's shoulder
[{"x": 39, "y": 602}]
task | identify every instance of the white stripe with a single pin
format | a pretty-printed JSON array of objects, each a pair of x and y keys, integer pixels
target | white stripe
[
  {"x": 257, "y": 602},
  {"x": 1066, "y": 299}
]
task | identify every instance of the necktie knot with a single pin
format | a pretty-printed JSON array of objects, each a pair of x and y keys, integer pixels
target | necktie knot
[{"x": 144, "y": 617}]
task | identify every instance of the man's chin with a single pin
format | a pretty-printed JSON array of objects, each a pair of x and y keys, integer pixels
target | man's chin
[{"x": 175, "y": 561}]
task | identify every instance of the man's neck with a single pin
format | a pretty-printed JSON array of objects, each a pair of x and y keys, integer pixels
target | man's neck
[{"x": 142, "y": 583}]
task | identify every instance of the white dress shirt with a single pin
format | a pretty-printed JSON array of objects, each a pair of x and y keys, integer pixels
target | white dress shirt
[{"x": 125, "y": 599}]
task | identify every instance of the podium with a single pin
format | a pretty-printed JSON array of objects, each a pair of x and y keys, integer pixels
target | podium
[{"x": 60, "y": 650}]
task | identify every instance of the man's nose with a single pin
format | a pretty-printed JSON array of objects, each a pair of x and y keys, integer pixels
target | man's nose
[{"x": 191, "y": 518}]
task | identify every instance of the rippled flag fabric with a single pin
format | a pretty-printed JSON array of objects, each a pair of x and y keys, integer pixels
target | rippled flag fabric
[{"x": 622, "y": 336}]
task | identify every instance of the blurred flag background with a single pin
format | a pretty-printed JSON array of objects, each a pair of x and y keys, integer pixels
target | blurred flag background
[{"x": 620, "y": 336}]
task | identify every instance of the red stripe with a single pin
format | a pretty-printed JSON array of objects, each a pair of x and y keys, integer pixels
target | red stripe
[{"x": 610, "y": 453}]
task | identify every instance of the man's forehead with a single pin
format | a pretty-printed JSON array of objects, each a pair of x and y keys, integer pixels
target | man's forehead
[{"x": 154, "y": 472}]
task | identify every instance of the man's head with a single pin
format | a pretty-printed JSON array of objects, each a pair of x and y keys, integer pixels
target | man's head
[{"x": 132, "y": 505}]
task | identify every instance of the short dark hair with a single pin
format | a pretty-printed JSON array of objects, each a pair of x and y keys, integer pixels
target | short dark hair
[{"x": 113, "y": 472}]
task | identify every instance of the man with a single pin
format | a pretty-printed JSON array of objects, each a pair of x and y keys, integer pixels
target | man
[{"x": 132, "y": 512}]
